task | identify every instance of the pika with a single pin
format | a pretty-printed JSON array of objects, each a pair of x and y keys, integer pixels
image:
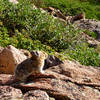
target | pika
[{"x": 34, "y": 64}]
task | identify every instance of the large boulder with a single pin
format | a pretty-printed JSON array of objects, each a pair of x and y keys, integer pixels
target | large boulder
[
  {"x": 10, "y": 57},
  {"x": 52, "y": 61},
  {"x": 78, "y": 72},
  {"x": 10, "y": 93},
  {"x": 67, "y": 81}
]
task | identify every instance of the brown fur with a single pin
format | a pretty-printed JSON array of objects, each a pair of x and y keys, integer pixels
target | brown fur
[{"x": 30, "y": 66}]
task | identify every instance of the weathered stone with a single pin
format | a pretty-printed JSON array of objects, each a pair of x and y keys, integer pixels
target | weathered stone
[
  {"x": 67, "y": 80},
  {"x": 10, "y": 57},
  {"x": 91, "y": 25},
  {"x": 78, "y": 72},
  {"x": 71, "y": 81},
  {"x": 63, "y": 90},
  {"x": 10, "y": 93},
  {"x": 36, "y": 95},
  {"x": 52, "y": 61},
  {"x": 91, "y": 41}
]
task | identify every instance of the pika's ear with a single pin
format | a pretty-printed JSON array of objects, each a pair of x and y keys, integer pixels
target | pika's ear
[
  {"x": 34, "y": 53},
  {"x": 37, "y": 53}
]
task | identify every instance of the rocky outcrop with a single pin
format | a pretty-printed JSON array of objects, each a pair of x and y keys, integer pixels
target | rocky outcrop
[
  {"x": 90, "y": 24},
  {"x": 52, "y": 61},
  {"x": 10, "y": 93},
  {"x": 67, "y": 80},
  {"x": 79, "y": 20},
  {"x": 10, "y": 57},
  {"x": 90, "y": 40}
]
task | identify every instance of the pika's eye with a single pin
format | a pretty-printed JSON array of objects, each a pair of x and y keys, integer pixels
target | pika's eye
[
  {"x": 32, "y": 52},
  {"x": 37, "y": 53}
]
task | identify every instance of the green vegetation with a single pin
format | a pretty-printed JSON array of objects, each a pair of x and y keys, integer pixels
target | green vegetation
[
  {"x": 74, "y": 7},
  {"x": 28, "y": 28}
]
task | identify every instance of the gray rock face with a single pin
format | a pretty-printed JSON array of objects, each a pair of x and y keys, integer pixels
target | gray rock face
[
  {"x": 52, "y": 61},
  {"x": 92, "y": 25}
]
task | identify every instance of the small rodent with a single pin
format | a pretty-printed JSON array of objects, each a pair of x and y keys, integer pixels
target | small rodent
[{"x": 30, "y": 65}]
